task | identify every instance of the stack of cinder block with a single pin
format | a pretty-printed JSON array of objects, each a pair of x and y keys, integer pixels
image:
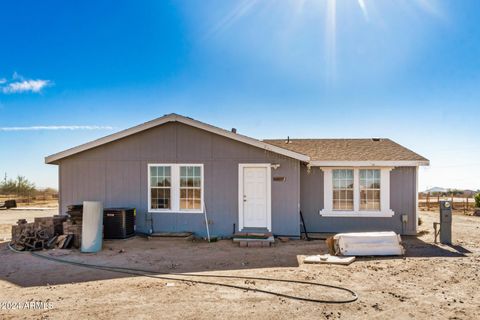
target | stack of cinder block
[
  {"x": 52, "y": 225},
  {"x": 73, "y": 225},
  {"x": 74, "y": 229},
  {"x": 29, "y": 236},
  {"x": 46, "y": 233},
  {"x": 36, "y": 235},
  {"x": 20, "y": 227},
  {"x": 58, "y": 221},
  {"x": 45, "y": 223}
]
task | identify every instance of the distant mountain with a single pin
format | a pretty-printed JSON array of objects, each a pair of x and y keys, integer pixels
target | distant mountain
[
  {"x": 469, "y": 192},
  {"x": 445, "y": 190},
  {"x": 435, "y": 189}
]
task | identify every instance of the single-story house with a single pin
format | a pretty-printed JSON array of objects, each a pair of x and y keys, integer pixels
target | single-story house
[{"x": 174, "y": 168}]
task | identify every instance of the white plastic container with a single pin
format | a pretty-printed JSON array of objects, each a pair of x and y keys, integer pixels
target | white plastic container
[{"x": 92, "y": 226}]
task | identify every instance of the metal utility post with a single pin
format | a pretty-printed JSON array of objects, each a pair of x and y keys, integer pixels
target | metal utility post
[{"x": 445, "y": 222}]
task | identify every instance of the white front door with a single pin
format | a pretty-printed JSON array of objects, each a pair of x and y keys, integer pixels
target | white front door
[{"x": 255, "y": 196}]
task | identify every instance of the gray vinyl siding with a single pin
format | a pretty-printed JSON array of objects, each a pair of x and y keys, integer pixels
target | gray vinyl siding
[
  {"x": 117, "y": 174},
  {"x": 402, "y": 201}
]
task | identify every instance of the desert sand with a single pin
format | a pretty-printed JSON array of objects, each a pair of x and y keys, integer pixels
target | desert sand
[{"x": 431, "y": 281}]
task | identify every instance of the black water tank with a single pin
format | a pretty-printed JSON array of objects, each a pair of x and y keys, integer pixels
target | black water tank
[{"x": 118, "y": 223}]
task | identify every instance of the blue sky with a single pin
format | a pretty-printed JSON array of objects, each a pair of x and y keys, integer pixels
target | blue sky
[{"x": 404, "y": 69}]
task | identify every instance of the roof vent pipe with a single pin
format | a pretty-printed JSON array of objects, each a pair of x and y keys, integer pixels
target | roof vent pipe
[
  {"x": 234, "y": 130},
  {"x": 376, "y": 139}
]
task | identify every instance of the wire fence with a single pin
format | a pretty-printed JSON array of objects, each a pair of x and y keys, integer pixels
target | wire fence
[{"x": 459, "y": 202}]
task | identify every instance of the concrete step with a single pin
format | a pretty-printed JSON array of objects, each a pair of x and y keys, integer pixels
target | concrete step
[{"x": 255, "y": 242}]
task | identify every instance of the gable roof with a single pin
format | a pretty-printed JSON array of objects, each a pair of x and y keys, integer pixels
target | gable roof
[
  {"x": 346, "y": 151},
  {"x": 175, "y": 118}
]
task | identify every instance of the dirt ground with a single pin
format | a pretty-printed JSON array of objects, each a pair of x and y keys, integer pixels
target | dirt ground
[{"x": 431, "y": 281}]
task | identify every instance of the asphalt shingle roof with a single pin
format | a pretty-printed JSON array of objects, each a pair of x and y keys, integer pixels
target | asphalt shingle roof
[{"x": 348, "y": 149}]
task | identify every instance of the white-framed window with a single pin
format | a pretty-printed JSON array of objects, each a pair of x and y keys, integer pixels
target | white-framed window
[
  {"x": 342, "y": 189},
  {"x": 356, "y": 192},
  {"x": 160, "y": 187},
  {"x": 370, "y": 188},
  {"x": 190, "y": 187},
  {"x": 175, "y": 188}
]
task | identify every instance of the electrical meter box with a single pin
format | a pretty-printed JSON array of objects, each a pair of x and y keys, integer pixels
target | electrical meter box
[
  {"x": 445, "y": 212},
  {"x": 445, "y": 222}
]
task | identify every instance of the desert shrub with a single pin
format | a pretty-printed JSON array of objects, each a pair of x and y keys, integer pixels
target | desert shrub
[
  {"x": 420, "y": 221},
  {"x": 47, "y": 193},
  {"x": 20, "y": 186},
  {"x": 477, "y": 200}
]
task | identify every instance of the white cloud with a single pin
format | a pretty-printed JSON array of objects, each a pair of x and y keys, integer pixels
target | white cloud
[
  {"x": 19, "y": 84},
  {"x": 39, "y": 128},
  {"x": 25, "y": 86}
]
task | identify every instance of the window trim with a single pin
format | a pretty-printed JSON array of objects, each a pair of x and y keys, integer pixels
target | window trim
[
  {"x": 175, "y": 188},
  {"x": 385, "y": 210}
]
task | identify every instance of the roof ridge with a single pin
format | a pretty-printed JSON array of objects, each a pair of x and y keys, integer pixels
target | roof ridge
[
  {"x": 173, "y": 117},
  {"x": 338, "y": 139},
  {"x": 352, "y": 149}
]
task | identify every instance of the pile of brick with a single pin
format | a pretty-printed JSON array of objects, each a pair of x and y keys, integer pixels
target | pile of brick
[
  {"x": 75, "y": 213},
  {"x": 58, "y": 224},
  {"x": 72, "y": 228},
  {"x": 40, "y": 234},
  {"x": 73, "y": 225},
  {"x": 45, "y": 223},
  {"x": 29, "y": 236},
  {"x": 61, "y": 231}
]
